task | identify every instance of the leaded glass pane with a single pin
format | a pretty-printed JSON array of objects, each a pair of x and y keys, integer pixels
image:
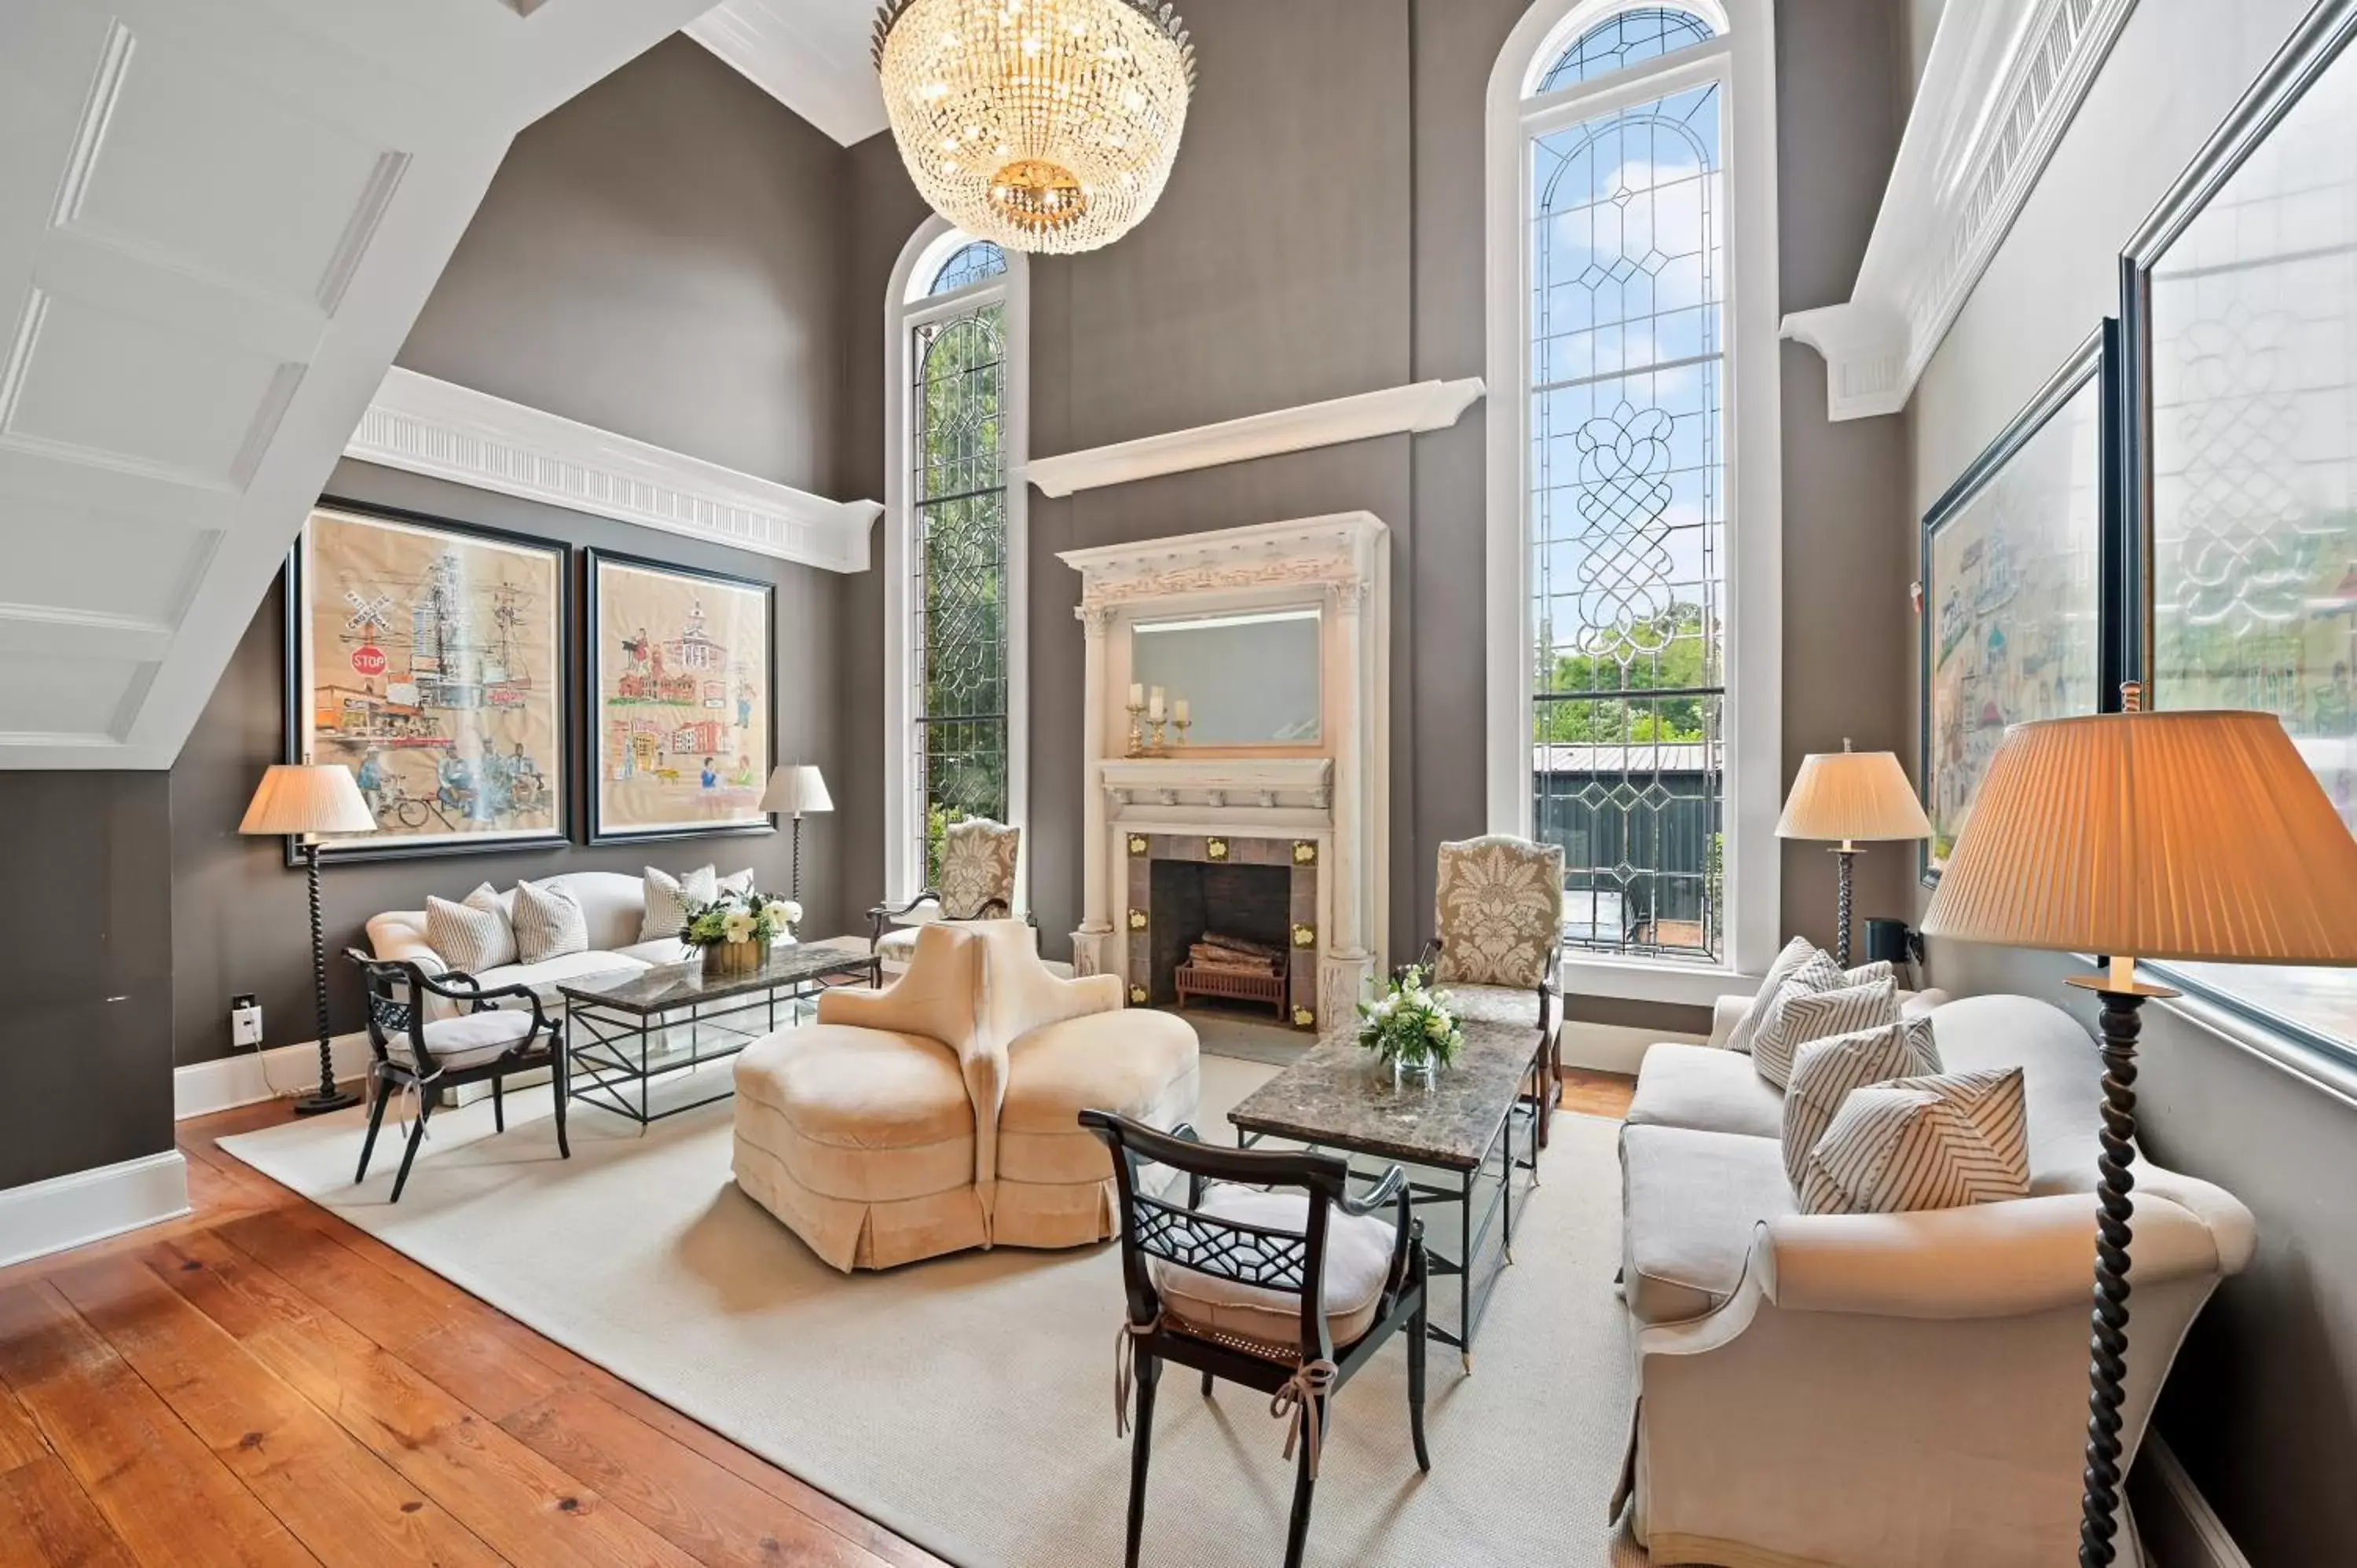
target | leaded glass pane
[
  {"x": 1644, "y": 33},
  {"x": 958, "y": 657},
  {"x": 1627, "y": 518},
  {"x": 969, "y": 265},
  {"x": 2255, "y": 474}
]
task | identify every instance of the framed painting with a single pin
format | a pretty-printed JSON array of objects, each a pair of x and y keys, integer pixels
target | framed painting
[
  {"x": 2015, "y": 562},
  {"x": 2240, "y": 295},
  {"x": 681, "y": 700},
  {"x": 430, "y": 658}
]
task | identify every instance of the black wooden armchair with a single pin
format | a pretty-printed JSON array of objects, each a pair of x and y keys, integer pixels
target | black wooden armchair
[
  {"x": 1262, "y": 1263},
  {"x": 487, "y": 1042}
]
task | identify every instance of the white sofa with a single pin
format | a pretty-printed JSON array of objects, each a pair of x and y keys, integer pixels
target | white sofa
[
  {"x": 613, "y": 905},
  {"x": 1898, "y": 1390}
]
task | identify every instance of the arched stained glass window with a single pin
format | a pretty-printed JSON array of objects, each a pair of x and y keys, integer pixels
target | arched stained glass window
[
  {"x": 1621, "y": 41},
  {"x": 969, "y": 265}
]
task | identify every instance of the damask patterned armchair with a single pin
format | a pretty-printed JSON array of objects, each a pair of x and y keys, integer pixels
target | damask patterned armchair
[
  {"x": 1498, "y": 919},
  {"x": 977, "y": 883}
]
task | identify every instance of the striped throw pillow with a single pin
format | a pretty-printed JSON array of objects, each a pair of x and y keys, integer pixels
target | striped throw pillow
[
  {"x": 471, "y": 936},
  {"x": 548, "y": 922},
  {"x": 1797, "y": 961},
  {"x": 668, "y": 897},
  {"x": 1799, "y": 1016},
  {"x": 1922, "y": 1143},
  {"x": 1880, "y": 969},
  {"x": 1825, "y": 1072}
]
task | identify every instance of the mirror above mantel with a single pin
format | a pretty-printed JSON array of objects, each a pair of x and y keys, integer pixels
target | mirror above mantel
[{"x": 1250, "y": 680}]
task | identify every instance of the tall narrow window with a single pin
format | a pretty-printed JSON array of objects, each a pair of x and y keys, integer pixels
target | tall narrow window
[
  {"x": 1612, "y": 489},
  {"x": 956, "y": 556}
]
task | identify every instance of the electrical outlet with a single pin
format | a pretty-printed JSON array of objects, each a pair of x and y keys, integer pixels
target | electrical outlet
[{"x": 244, "y": 1021}]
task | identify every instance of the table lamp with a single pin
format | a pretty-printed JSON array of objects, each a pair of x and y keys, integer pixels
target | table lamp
[
  {"x": 307, "y": 799},
  {"x": 2200, "y": 836},
  {"x": 796, "y": 787},
  {"x": 1850, "y": 795}
]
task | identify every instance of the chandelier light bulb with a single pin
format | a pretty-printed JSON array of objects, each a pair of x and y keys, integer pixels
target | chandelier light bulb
[{"x": 1081, "y": 102}]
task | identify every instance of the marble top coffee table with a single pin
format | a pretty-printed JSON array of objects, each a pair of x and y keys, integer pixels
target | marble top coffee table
[{"x": 1459, "y": 1131}]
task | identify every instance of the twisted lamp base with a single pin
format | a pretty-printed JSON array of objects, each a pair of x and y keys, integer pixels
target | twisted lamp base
[{"x": 328, "y": 1097}]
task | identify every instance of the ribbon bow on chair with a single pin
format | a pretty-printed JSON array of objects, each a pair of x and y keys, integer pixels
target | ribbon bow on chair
[
  {"x": 1299, "y": 1399},
  {"x": 1125, "y": 1363}
]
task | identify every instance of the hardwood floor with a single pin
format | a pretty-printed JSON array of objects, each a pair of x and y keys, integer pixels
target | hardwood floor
[{"x": 261, "y": 1383}]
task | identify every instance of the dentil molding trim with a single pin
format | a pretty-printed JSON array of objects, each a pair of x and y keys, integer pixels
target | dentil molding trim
[
  {"x": 2002, "y": 83},
  {"x": 450, "y": 432},
  {"x": 1424, "y": 405}
]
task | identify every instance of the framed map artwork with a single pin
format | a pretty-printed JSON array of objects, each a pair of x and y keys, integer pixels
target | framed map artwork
[
  {"x": 2014, "y": 587},
  {"x": 429, "y": 657},
  {"x": 681, "y": 699}
]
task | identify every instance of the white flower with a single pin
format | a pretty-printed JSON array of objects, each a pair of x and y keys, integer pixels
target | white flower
[
  {"x": 789, "y": 911},
  {"x": 1437, "y": 1026},
  {"x": 739, "y": 926}
]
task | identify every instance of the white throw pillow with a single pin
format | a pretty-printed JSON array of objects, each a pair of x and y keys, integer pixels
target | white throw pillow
[
  {"x": 1825, "y": 1072},
  {"x": 1789, "y": 962},
  {"x": 738, "y": 882},
  {"x": 668, "y": 897},
  {"x": 1922, "y": 1143},
  {"x": 1880, "y": 969},
  {"x": 473, "y": 935},
  {"x": 548, "y": 922},
  {"x": 1800, "y": 1014}
]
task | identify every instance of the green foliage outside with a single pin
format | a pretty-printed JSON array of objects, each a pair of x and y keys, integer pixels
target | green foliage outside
[{"x": 1665, "y": 652}]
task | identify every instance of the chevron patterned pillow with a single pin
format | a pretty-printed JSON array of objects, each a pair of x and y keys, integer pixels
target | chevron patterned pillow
[
  {"x": 1800, "y": 1014},
  {"x": 1922, "y": 1143},
  {"x": 1800, "y": 954},
  {"x": 1825, "y": 1072}
]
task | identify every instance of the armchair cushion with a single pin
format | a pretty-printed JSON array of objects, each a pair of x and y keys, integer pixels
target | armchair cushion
[
  {"x": 1359, "y": 1249},
  {"x": 474, "y": 1037},
  {"x": 473, "y": 935},
  {"x": 1690, "y": 1201},
  {"x": 1496, "y": 1005},
  {"x": 1498, "y": 911},
  {"x": 1706, "y": 1089}
]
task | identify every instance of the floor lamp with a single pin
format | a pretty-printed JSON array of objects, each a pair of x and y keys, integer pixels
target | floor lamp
[
  {"x": 2200, "y": 836},
  {"x": 305, "y": 801},
  {"x": 794, "y": 788},
  {"x": 1846, "y": 796}
]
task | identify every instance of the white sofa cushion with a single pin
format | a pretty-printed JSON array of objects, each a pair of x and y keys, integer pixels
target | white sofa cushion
[
  {"x": 1798, "y": 1016},
  {"x": 1922, "y": 1143},
  {"x": 474, "y": 1037},
  {"x": 660, "y": 951},
  {"x": 549, "y": 922},
  {"x": 1825, "y": 1072},
  {"x": 1706, "y": 1089},
  {"x": 1690, "y": 1201},
  {"x": 1358, "y": 1260},
  {"x": 473, "y": 935},
  {"x": 544, "y": 977}
]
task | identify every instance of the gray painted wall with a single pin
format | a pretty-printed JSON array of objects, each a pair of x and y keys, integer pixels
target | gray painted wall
[
  {"x": 2260, "y": 1406},
  {"x": 1323, "y": 236}
]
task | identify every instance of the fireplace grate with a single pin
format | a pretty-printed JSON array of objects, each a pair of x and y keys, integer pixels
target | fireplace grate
[{"x": 1231, "y": 984}]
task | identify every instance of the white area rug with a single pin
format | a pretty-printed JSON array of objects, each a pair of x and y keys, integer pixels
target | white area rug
[{"x": 967, "y": 1402}]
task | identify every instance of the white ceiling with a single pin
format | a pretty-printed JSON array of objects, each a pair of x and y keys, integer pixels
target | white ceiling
[{"x": 809, "y": 55}]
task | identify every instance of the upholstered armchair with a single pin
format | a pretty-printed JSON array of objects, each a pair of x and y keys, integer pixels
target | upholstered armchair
[
  {"x": 977, "y": 883},
  {"x": 1498, "y": 923}
]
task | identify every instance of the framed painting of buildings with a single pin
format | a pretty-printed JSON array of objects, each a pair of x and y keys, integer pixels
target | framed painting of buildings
[
  {"x": 681, "y": 700},
  {"x": 2015, "y": 563},
  {"x": 430, "y": 658}
]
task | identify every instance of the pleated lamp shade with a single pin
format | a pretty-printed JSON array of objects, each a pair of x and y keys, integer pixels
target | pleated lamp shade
[
  {"x": 307, "y": 798},
  {"x": 1851, "y": 795},
  {"x": 2165, "y": 836},
  {"x": 795, "y": 789}
]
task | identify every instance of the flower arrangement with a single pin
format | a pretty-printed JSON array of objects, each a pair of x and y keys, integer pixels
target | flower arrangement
[
  {"x": 740, "y": 927},
  {"x": 1410, "y": 1029}
]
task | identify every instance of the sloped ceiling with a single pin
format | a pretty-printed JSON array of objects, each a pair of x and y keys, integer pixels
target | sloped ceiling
[
  {"x": 218, "y": 220},
  {"x": 810, "y": 55}
]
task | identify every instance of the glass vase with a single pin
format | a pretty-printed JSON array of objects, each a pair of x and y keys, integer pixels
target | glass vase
[{"x": 1419, "y": 1072}]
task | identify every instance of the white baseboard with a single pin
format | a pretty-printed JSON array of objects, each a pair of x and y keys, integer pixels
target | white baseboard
[
  {"x": 81, "y": 1207},
  {"x": 1613, "y": 1047},
  {"x": 202, "y": 1088},
  {"x": 2175, "y": 1523}
]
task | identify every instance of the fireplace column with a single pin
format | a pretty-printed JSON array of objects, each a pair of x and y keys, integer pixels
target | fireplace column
[
  {"x": 1092, "y": 943},
  {"x": 1346, "y": 967}
]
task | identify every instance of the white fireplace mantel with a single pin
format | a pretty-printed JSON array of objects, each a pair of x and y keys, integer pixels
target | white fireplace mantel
[{"x": 1335, "y": 793}]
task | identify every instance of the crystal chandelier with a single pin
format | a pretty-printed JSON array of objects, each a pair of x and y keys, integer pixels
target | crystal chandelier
[{"x": 1045, "y": 125}]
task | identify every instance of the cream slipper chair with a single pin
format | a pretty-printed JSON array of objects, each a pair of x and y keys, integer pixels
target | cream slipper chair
[
  {"x": 861, "y": 1132},
  {"x": 1071, "y": 1047}
]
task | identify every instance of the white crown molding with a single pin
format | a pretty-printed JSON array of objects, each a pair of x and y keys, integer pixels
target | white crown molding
[
  {"x": 811, "y": 57},
  {"x": 1424, "y": 405},
  {"x": 450, "y": 432},
  {"x": 83, "y": 1206},
  {"x": 2003, "y": 82}
]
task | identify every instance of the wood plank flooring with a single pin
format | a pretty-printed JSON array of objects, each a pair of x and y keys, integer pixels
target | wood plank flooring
[{"x": 261, "y": 1383}]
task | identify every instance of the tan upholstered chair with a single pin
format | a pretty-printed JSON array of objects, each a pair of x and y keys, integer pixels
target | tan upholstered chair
[
  {"x": 977, "y": 883},
  {"x": 1498, "y": 924},
  {"x": 943, "y": 1112}
]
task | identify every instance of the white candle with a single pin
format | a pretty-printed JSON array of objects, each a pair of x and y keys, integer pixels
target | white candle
[
  {"x": 1153, "y": 704},
  {"x": 1178, "y": 710},
  {"x": 1136, "y": 696}
]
